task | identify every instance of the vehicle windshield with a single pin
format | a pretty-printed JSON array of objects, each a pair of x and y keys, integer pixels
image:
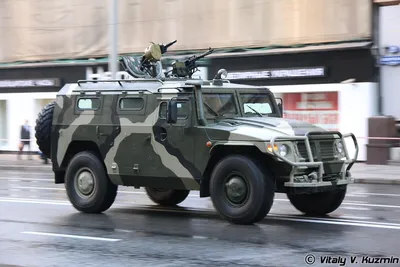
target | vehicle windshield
[
  {"x": 224, "y": 105},
  {"x": 219, "y": 104},
  {"x": 256, "y": 104}
]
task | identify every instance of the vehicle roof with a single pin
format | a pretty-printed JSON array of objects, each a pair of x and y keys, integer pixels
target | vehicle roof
[{"x": 149, "y": 85}]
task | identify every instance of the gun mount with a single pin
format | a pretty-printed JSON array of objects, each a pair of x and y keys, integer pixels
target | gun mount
[
  {"x": 149, "y": 65},
  {"x": 188, "y": 67}
]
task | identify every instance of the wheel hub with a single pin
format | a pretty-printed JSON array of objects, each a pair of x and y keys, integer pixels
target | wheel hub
[
  {"x": 85, "y": 182},
  {"x": 236, "y": 189}
]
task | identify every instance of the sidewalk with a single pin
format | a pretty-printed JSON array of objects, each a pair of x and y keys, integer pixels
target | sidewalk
[
  {"x": 361, "y": 172},
  {"x": 11, "y": 162}
]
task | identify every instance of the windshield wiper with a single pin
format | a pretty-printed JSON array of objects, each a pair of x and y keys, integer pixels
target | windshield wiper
[
  {"x": 258, "y": 113},
  {"x": 210, "y": 109}
]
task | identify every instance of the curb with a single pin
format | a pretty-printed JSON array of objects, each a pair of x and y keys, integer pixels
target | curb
[
  {"x": 376, "y": 181},
  {"x": 45, "y": 168},
  {"x": 48, "y": 168}
]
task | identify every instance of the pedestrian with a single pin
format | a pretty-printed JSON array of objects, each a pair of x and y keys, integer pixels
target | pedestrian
[{"x": 25, "y": 139}]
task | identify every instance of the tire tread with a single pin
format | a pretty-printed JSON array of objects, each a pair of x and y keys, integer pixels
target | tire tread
[
  {"x": 260, "y": 206},
  {"x": 107, "y": 191},
  {"x": 43, "y": 125}
]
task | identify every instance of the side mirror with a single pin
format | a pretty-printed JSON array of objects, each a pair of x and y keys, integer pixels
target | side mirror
[
  {"x": 279, "y": 102},
  {"x": 172, "y": 111}
]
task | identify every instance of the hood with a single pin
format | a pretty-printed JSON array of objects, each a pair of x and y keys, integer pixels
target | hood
[{"x": 258, "y": 128}]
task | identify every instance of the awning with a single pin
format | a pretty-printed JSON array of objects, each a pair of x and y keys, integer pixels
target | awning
[{"x": 255, "y": 52}]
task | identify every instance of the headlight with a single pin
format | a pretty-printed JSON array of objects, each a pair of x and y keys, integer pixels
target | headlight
[
  {"x": 283, "y": 150},
  {"x": 339, "y": 149}
]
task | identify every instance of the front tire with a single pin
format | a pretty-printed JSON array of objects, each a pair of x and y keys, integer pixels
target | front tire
[
  {"x": 166, "y": 197},
  {"x": 241, "y": 191},
  {"x": 318, "y": 204},
  {"x": 87, "y": 184}
]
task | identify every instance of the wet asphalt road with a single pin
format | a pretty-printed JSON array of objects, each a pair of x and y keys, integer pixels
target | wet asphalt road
[{"x": 40, "y": 228}]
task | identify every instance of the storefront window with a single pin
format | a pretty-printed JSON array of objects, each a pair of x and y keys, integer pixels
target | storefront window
[
  {"x": 319, "y": 108},
  {"x": 3, "y": 123}
]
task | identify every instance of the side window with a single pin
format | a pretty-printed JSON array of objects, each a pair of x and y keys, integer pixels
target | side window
[
  {"x": 183, "y": 110},
  {"x": 89, "y": 103},
  {"x": 163, "y": 110},
  {"x": 131, "y": 103}
]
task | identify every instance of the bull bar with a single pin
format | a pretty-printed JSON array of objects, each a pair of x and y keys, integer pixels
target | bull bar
[{"x": 320, "y": 164}]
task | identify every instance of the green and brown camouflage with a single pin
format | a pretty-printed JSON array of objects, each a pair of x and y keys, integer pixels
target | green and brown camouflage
[
  {"x": 140, "y": 147},
  {"x": 172, "y": 134}
]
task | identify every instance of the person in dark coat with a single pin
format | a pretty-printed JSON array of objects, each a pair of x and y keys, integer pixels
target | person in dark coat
[{"x": 25, "y": 139}]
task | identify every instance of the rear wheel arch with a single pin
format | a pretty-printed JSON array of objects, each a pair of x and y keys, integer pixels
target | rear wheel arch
[{"x": 74, "y": 148}]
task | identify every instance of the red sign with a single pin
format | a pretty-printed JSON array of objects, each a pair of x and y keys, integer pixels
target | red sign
[{"x": 320, "y": 108}]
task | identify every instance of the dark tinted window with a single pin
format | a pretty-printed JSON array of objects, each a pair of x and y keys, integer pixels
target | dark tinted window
[
  {"x": 135, "y": 103},
  {"x": 221, "y": 103},
  {"x": 183, "y": 110},
  {"x": 89, "y": 103}
]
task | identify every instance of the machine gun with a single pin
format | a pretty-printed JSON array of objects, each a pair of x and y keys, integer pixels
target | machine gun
[
  {"x": 188, "y": 67},
  {"x": 149, "y": 65}
]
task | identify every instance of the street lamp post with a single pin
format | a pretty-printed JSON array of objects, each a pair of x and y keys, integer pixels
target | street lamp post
[{"x": 113, "y": 38}]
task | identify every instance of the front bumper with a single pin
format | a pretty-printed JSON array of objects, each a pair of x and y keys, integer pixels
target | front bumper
[{"x": 315, "y": 179}]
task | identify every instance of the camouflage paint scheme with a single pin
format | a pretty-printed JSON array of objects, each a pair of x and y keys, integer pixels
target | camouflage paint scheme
[{"x": 132, "y": 138}]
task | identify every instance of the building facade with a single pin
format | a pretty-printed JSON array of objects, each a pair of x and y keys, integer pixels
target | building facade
[
  {"x": 25, "y": 90},
  {"x": 304, "y": 47},
  {"x": 334, "y": 88},
  {"x": 388, "y": 53}
]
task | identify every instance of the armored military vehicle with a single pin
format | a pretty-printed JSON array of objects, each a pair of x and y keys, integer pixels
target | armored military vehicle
[{"x": 171, "y": 134}]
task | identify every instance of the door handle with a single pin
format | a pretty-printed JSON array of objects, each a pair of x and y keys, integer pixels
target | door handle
[
  {"x": 163, "y": 133},
  {"x": 98, "y": 133}
]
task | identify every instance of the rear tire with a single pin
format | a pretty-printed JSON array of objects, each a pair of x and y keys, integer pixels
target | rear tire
[
  {"x": 87, "y": 184},
  {"x": 318, "y": 203},
  {"x": 44, "y": 122},
  {"x": 241, "y": 191},
  {"x": 166, "y": 197}
]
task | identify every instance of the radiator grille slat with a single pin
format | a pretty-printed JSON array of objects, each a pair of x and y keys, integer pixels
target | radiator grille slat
[{"x": 322, "y": 150}]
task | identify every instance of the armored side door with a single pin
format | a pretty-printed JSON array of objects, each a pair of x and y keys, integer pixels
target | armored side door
[
  {"x": 133, "y": 152},
  {"x": 175, "y": 143},
  {"x": 87, "y": 117}
]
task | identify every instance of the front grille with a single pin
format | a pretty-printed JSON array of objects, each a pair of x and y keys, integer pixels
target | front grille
[{"x": 322, "y": 150}]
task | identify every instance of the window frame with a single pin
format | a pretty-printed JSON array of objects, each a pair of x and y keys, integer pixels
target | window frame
[
  {"x": 267, "y": 95},
  {"x": 178, "y": 101},
  {"x": 131, "y": 111},
  {"x": 218, "y": 92},
  {"x": 130, "y": 97},
  {"x": 79, "y": 110}
]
